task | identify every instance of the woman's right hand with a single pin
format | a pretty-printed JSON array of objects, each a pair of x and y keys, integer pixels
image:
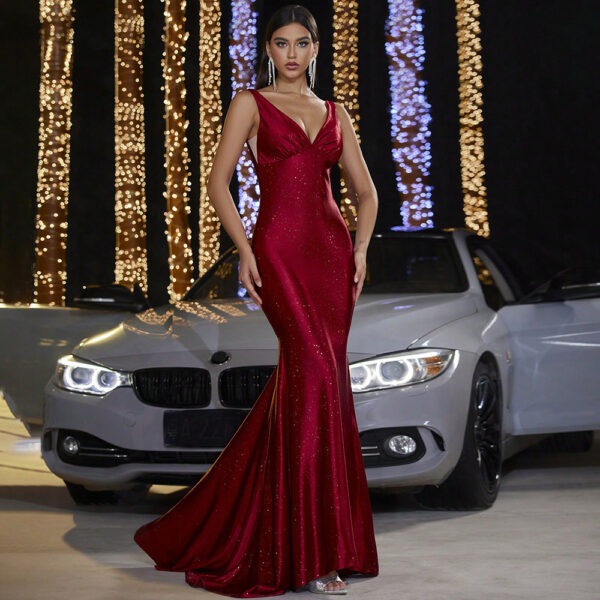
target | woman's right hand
[{"x": 249, "y": 275}]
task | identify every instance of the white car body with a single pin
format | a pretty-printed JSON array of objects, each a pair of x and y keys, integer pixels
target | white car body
[{"x": 542, "y": 356}]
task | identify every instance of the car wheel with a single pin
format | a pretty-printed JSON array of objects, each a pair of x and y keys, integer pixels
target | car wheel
[
  {"x": 84, "y": 497},
  {"x": 474, "y": 483}
]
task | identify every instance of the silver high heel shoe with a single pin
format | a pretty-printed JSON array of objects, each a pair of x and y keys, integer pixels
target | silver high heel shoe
[{"x": 319, "y": 586}]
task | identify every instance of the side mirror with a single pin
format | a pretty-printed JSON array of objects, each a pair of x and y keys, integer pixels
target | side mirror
[{"x": 115, "y": 297}]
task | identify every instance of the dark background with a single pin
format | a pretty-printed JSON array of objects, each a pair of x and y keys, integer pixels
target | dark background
[{"x": 541, "y": 94}]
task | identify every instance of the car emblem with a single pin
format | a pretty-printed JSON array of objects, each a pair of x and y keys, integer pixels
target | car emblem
[{"x": 220, "y": 357}]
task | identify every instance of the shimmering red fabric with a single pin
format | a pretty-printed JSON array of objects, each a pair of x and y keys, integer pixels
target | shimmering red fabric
[{"x": 287, "y": 500}]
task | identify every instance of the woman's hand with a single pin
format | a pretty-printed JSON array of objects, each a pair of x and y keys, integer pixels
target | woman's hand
[
  {"x": 360, "y": 262},
  {"x": 249, "y": 274}
]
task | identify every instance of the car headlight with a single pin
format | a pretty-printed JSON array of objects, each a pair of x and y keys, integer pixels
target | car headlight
[
  {"x": 87, "y": 378},
  {"x": 397, "y": 370}
]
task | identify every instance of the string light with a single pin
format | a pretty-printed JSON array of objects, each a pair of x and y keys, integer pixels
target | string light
[
  {"x": 471, "y": 116},
  {"x": 345, "y": 84},
  {"x": 410, "y": 113},
  {"x": 243, "y": 57},
  {"x": 56, "y": 20},
  {"x": 176, "y": 154},
  {"x": 211, "y": 112},
  {"x": 130, "y": 189}
]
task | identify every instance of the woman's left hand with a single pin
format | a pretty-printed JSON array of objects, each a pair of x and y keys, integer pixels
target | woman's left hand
[{"x": 360, "y": 262}]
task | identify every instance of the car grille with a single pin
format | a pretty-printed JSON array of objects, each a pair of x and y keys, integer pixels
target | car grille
[
  {"x": 239, "y": 387},
  {"x": 173, "y": 387}
]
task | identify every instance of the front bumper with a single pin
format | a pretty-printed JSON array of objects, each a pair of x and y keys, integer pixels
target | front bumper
[
  {"x": 437, "y": 410},
  {"x": 122, "y": 440}
]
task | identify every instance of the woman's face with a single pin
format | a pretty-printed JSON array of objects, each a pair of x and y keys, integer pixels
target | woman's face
[{"x": 291, "y": 49}]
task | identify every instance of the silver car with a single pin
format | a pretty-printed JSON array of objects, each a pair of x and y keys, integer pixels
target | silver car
[{"x": 453, "y": 366}]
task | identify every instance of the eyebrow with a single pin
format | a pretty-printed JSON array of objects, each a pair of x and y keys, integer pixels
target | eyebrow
[{"x": 282, "y": 39}]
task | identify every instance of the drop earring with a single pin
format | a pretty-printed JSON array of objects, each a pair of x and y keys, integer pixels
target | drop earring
[
  {"x": 312, "y": 71},
  {"x": 271, "y": 70}
]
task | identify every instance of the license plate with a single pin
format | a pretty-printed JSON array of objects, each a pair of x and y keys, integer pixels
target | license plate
[{"x": 201, "y": 428}]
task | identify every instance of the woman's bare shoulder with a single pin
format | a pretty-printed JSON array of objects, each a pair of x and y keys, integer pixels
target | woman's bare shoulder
[
  {"x": 343, "y": 116},
  {"x": 341, "y": 110},
  {"x": 243, "y": 97},
  {"x": 243, "y": 103}
]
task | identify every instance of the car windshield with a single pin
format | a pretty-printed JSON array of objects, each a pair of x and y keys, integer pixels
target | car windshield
[{"x": 395, "y": 265}]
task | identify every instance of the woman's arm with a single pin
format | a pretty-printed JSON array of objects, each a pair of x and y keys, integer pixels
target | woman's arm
[
  {"x": 240, "y": 123},
  {"x": 361, "y": 185}
]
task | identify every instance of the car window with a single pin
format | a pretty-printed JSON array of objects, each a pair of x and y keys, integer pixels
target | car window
[
  {"x": 579, "y": 284},
  {"x": 566, "y": 285},
  {"x": 419, "y": 265},
  {"x": 221, "y": 281},
  {"x": 495, "y": 285},
  {"x": 491, "y": 291}
]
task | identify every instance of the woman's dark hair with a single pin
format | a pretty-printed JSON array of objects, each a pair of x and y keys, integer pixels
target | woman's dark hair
[{"x": 286, "y": 15}]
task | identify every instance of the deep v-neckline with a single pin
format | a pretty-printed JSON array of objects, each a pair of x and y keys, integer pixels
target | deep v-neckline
[{"x": 304, "y": 133}]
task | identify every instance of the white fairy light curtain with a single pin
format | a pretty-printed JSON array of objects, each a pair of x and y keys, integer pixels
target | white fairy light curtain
[
  {"x": 243, "y": 57},
  {"x": 410, "y": 112}
]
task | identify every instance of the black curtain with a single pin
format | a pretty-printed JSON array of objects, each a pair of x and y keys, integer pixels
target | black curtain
[
  {"x": 541, "y": 97},
  {"x": 441, "y": 76},
  {"x": 91, "y": 230},
  {"x": 19, "y": 113},
  {"x": 541, "y": 91}
]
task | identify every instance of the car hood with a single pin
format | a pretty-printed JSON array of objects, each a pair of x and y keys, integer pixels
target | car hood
[
  {"x": 388, "y": 323},
  {"x": 188, "y": 333}
]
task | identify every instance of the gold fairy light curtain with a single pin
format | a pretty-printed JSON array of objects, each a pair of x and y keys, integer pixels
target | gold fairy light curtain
[
  {"x": 177, "y": 185},
  {"x": 471, "y": 116},
  {"x": 130, "y": 175},
  {"x": 56, "y": 20},
  {"x": 345, "y": 83},
  {"x": 210, "y": 126}
]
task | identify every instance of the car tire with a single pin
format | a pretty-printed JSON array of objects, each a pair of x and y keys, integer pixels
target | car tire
[
  {"x": 84, "y": 497},
  {"x": 474, "y": 483}
]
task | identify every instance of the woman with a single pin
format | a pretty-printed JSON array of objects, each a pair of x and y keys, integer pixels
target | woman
[{"x": 286, "y": 504}]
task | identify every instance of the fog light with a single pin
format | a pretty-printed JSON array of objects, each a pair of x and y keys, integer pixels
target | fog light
[
  {"x": 401, "y": 445},
  {"x": 70, "y": 445}
]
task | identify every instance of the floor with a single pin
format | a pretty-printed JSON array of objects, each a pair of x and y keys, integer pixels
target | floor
[{"x": 541, "y": 540}]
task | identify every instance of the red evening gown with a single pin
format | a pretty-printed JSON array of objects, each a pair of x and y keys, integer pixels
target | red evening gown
[{"x": 287, "y": 500}]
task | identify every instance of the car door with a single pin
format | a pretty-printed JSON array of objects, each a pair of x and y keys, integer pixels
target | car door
[{"x": 555, "y": 345}]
